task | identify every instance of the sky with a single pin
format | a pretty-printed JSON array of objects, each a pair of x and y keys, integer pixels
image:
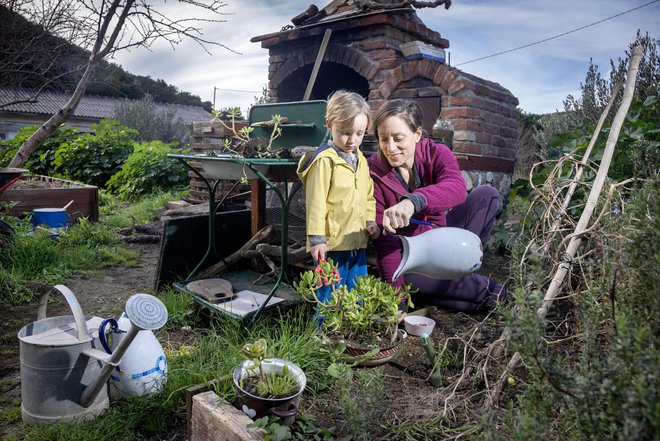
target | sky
[{"x": 540, "y": 76}]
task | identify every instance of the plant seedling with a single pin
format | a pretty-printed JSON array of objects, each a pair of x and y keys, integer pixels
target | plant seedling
[{"x": 265, "y": 384}]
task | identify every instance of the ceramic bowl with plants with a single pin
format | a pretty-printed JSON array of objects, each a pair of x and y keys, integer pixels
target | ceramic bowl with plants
[{"x": 268, "y": 386}]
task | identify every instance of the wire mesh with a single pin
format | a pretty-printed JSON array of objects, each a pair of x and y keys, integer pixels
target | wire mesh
[{"x": 297, "y": 226}]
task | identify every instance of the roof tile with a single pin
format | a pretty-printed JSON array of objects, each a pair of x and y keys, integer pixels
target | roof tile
[{"x": 90, "y": 106}]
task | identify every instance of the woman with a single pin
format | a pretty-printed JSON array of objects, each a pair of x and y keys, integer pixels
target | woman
[{"x": 415, "y": 177}]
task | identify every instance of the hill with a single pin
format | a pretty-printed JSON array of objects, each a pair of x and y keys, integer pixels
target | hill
[{"x": 30, "y": 58}]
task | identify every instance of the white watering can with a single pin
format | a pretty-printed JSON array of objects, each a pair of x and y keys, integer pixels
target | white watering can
[
  {"x": 443, "y": 253},
  {"x": 143, "y": 368},
  {"x": 64, "y": 373}
]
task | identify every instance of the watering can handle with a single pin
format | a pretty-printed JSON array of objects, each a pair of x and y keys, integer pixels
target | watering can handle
[
  {"x": 114, "y": 326},
  {"x": 81, "y": 325}
]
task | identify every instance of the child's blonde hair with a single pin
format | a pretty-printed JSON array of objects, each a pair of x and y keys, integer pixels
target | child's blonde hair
[{"x": 344, "y": 106}]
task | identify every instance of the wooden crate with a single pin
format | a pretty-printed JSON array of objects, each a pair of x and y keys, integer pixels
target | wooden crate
[
  {"x": 53, "y": 193},
  {"x": 206, "y": 137}
]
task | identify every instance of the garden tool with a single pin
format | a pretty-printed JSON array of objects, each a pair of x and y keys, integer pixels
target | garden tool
[
  {"x": 436, "y": 375},
  {"x": 442, "y": 253}
]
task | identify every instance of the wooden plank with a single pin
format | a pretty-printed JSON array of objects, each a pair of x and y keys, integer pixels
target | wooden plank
[
  {"x": 258, "y": 200},
  {"x": 317, "y": 64},
  {"x": 85, "y": 200},
  {"x": 215, "y": 129},
  {"x": 215, "y": 419},
  {"x": 190, "y": 393},
  {"x": 208, "y": 129}
]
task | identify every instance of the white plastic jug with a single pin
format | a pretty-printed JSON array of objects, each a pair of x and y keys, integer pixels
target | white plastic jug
[
  {"x": 143, "y": 368},
  {"x": 443, "y": 253}
]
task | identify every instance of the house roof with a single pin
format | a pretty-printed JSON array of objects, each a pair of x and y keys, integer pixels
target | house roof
[{"x": 90, "y": 106}]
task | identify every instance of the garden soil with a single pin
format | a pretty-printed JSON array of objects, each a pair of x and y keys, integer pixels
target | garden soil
[{"x": 407, "y": 395}]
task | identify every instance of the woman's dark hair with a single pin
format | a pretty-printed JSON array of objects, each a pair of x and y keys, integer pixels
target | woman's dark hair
[{"x": 409, "y": 111}]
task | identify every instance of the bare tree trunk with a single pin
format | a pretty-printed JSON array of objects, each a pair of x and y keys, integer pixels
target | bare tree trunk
[
  {"x": 112, "y": 26},
  {"x": 98, "y": 53},
  {"x": 49, "y": 127}
]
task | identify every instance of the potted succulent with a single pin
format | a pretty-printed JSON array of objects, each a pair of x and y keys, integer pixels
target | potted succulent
[
  {"x": 268, "y": 386},
  {"x": 365, "y": 318}
]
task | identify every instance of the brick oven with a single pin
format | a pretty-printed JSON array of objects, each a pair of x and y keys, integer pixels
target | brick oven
[{"x": 363, "y": 54}]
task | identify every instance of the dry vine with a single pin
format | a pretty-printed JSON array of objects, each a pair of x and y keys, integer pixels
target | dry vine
[{"x": 549, "y": 261}]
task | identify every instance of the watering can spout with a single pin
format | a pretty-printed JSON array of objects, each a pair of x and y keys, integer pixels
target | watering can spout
[
  {"x": 444, "y": 253},
  {"x": 145, "y": 312}
]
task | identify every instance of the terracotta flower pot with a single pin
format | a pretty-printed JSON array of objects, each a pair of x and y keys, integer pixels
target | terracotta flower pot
[{"x": 384, "y": 355}]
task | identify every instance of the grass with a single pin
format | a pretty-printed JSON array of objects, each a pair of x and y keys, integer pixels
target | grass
[
  {"x": 117, "y": 213},
  {"x": 610, "y": 366},
  {"x": 212, "y": 358},
  {"x": 84, "y": 248}
]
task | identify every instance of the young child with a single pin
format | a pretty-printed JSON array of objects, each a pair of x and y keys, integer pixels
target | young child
[{"x": 340, "y": 206}]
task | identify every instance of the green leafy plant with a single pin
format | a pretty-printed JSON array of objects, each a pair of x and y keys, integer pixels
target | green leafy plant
[
  {"x": 265, "y": 384},
  {"x": 367, "y": 314},
  {"x": 240, "y": 145},
  {"x": 94, "y": 157},
  {"x": 148, "y": 170},
  {"x": 303, "y": 429},
  {"x": 41, "y": 161}
]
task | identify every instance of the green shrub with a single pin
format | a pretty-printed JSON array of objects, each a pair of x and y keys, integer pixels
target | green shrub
[
  {"x": 84, "y": 248},
  {"x": 148, "y": 170},
  {"x": 93, "y": 158},
  {"x": 41, "y": 161},
  {"x": 591, "y": 370},
  {"x": 154, "y": 122}
]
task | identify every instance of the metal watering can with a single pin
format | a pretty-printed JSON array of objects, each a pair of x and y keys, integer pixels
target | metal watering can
[
  {"x": 64, "y": 372},
  {"x": 443, "y": 253}
]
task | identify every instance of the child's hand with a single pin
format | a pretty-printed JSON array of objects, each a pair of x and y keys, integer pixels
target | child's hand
[
  {"x": 373, "y": 231},
  {"x": 318, "y": 252}
]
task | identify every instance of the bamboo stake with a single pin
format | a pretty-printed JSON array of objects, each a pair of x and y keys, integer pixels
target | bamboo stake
[
  {"x": 599, "y": 181},
  {"x": 582, "y": 164}
]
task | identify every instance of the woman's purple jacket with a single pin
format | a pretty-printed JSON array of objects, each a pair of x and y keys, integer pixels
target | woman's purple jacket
[{"x": 442, "y": 186}]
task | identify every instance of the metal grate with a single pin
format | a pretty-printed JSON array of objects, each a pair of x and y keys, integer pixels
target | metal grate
[{"x": 297, "y": 224}]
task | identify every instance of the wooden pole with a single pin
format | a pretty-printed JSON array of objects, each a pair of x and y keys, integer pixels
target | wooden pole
[
  {"x": 599, "y": 181},
  {"x": 580, "y": 167},
  {"x": 317, "y": 64}
]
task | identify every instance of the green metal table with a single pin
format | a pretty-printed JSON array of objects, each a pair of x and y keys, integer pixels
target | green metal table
[{"x": 225, "y": 167}]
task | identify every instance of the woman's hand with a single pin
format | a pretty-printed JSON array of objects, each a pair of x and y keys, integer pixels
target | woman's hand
[
  {"x": 319, "y": 251},
  {"x": 398, "y": 216}
]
